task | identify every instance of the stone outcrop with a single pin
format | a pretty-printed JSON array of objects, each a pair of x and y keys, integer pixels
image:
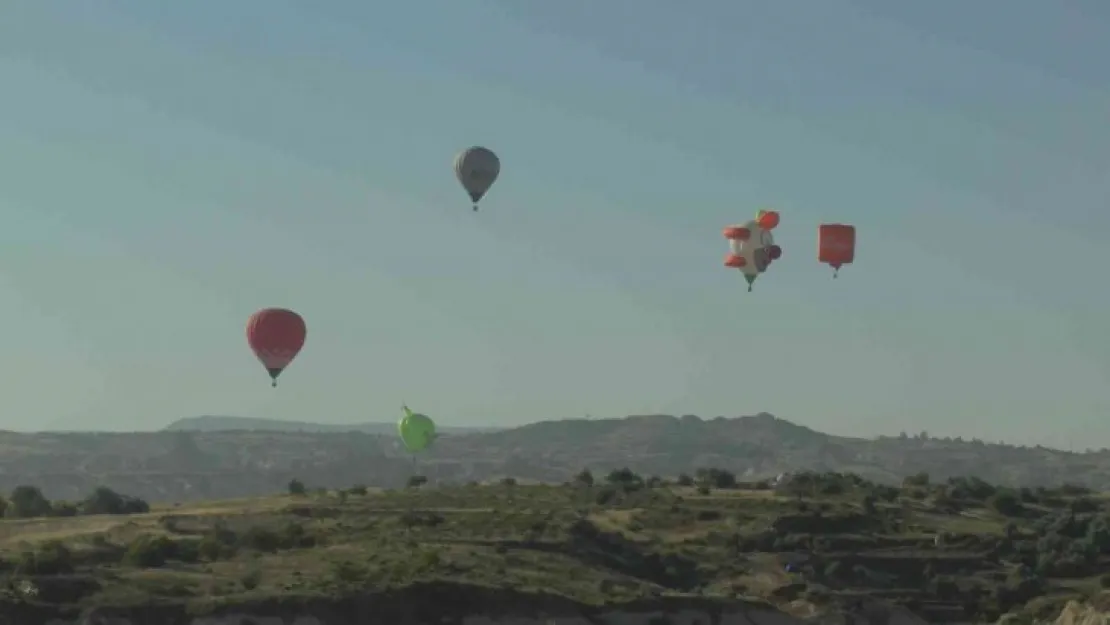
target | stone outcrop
[{"x": 1092, "y": 613}]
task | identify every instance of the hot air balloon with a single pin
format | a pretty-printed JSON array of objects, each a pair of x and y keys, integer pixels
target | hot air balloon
[
  {"x": 836, "y": 245},
  {"x": 477, "y": 169},
  {"x": 276, "y": 336},
  {"x": 417, "y": 431},
  {"x": 752, "y": 248}
]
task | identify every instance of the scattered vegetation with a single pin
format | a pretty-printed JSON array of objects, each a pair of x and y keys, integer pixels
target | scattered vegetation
[
  {"x": 960, "y": 549},
  {"x": 26, "y": 502}
]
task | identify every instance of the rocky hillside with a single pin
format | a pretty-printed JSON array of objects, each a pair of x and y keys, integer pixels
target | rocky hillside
[
  {"x": 257, "y": 458},
  {"x": 615, "y": 549}
]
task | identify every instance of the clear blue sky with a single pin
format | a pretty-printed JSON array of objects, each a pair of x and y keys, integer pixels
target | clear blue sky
[{"x": 169, "y": 167}]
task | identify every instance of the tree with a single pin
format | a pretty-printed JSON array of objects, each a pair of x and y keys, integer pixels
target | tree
[
  {"x": 625, "y": 479},
  {"x": 107, "y": 501},
  {"x": 296, "y": 487},
  {"x": 26, "y": 502},
  {"x": 148, "y": 551},
  {"x": 716, "y": 478},
  {"x": 920, "y": 479}
]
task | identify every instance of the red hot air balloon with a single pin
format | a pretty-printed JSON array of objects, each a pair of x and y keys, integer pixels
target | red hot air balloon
[
  {"x": 275, "y": 335},
  {"x": 836, "y": 245}
]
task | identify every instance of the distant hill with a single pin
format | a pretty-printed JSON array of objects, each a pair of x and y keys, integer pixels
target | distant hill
[
  {"x": 220, "y": 456},
  {"x": 215, "y": 423}
]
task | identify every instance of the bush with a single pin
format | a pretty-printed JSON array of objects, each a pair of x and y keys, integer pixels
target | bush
[
  {"x": 107, "y": 501},
  {"x": 414, "y": 518},
  {"x": 64, "y": 509},
  {"x": 251, "y": 579},
  {"x": 1006, "y": 503},
  {"x": 971, "y": 488},
  {"x": 347, "y": 572},
  {"x": 1082, "y": 505},
  {"x": 885, "y": 493},
  {"x": 296, "y": 487},
  {"x": 625, "y": 479},
  {"x": 716, "y": 478},
  {"x": 211, "y": 548},
  {"x": 945, "y": 588},
  {"x": 293, "y": 535},
  {"x": 919, "y": 479},
  {"x": 261, "y": 539},
  {"x": 149, "y": 551},
  {"x": 606, "y": 496},
  {"x": 187, "y": 550},
  {"x": 50, "y": 558}
]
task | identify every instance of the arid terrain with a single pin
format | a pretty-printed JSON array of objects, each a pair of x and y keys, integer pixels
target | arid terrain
[
  {"x": 955, "y": 551},
  {"x": 224, "y": 457}
]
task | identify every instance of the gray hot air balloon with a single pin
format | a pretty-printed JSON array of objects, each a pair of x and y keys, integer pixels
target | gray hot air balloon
[{"x": 477, "y": 169}]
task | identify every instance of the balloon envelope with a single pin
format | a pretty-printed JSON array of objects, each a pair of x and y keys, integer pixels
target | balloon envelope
[
  {"x": 768, "y": 220},
  {"x": 477, "y": 168},
  {"x": 417, "y": 431},
  {"x": 836, "y": 244},
  {"x": 276, "y": 336}
]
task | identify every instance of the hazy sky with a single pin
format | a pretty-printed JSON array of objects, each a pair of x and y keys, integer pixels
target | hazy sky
[{"x": 166, "y": 168}]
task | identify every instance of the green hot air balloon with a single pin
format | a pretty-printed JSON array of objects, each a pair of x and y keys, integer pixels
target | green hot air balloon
[{"x": 417, "y": 431}]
